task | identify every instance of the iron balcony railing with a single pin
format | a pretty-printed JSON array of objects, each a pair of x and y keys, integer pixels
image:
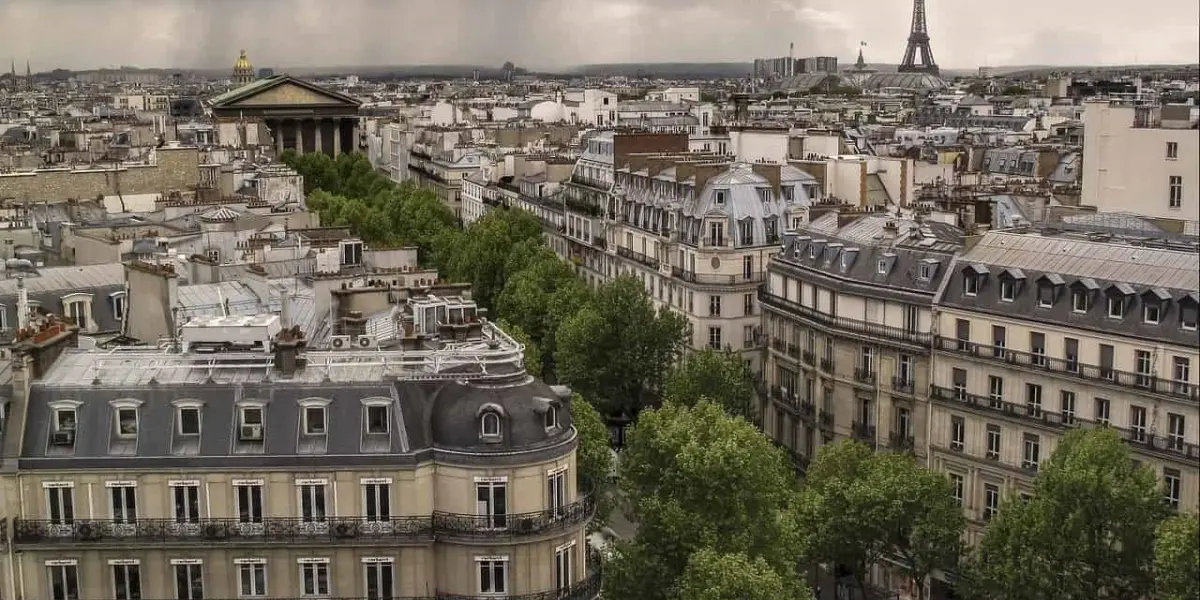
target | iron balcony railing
[
  {"x": 644, "y": 259},
  {"x": 846, "y": 324},
  {"x": 790, "y": 401},
  {"x": 710, "y": 279},
  {"x": 903, "y": 385},
  {"x": 863, "y": 432},
  {"x": 301, "y": 530},
  {"x": 1140, "y": 438},
  {"x": 901, "y": 441},
  {"x": 826, "y": 418},
  {"x": 864, "y": 375},
  {"x": 1143, "y": 382}
]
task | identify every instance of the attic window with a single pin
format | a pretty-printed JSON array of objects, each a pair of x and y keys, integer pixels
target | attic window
[
  {"x": 489, "y": 425},
  {"x": 64, "y": 419},
  {"x": 189, "y": 420},
  {"x": 127, "y": 421},
  {"x": 719, "y": 197},
  {"x": 1188, "y": 312},
  {"x": 764, "y": 194},
  {"x": 1081, "y": 301},
  {"x": 550, "y": 418},
  {"x": 970, "y": 284},
  {"x": 1151, "y": 312},
  {"x": 1116, "y": 307},
  {"x": 925, "y": 272},
  {"x": 812, "y": 252},
  {"x": 881, "y": 267},
  {"x": 1008, "y": 289}
]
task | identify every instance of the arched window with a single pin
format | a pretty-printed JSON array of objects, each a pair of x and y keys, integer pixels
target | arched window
[{"x": 489, "y": 425}]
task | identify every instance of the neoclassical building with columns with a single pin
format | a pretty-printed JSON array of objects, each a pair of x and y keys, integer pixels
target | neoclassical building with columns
[{"x": 298, "y": 115}]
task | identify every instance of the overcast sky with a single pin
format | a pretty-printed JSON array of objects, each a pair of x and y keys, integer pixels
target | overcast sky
[{"x": 80, "y": 34}]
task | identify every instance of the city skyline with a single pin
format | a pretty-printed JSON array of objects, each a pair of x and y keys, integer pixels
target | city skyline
[{"x": 540, "y": 34}]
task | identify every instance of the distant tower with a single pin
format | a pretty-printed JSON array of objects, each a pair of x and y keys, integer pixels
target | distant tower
[
  {"x": 918, "y": 43},
  {"x": 243, "y": 71},
  {"x": 791, "y": 66},
  {"x": 28, "y": 76}
]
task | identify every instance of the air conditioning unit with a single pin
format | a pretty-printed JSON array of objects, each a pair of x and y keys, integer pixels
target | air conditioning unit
[
  {"x": 340, "y": 342},
  {"x": 251, "y": 433},
  {"x": 365, "y": 341},
  {"x": 63, "y": 438}
]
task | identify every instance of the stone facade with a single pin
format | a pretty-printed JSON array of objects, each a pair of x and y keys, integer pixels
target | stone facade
[{"x": 175, "y": 169}]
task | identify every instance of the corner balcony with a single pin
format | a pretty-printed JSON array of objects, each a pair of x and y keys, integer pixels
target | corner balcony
[
  {"x": 638, "y": 257},
  {"x": 752, "y": 278},
  {"x": 461, "y": 527},
  {"x": 873, "y": 331}
]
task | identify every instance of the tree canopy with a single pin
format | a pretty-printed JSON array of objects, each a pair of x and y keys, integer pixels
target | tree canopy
[
  {"x": 593, "y": 458},
  {"x": 696, "y": 479},
  {"x": 481, "y": 253},
  {"x": 1087, "y": 532},
  {"x": 1177, "y": 558},
  {"x": 719, "y": 376},
  {"x": 710, "y": 575}
]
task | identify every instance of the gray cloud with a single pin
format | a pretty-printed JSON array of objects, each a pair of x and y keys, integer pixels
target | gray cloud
[{"x": 552, "y": 33}]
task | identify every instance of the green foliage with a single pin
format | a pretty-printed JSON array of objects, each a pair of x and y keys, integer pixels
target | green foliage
[
  {"x": 859, "y": 506},
  {"x": 541, "y": 293},
  {"x": 618, "y": 348},
  {"x": 1177, "y": 558},
  {"x": 480, "y": 253},
  {"x": 1014, "y": 90},
  {"x": 533, "y": 355},
  {"x": 696, "y": 479},
  {"x": 979, "y": 88},
  {"x": 719, "y": 376},
  {"x": 713, "y": 576},
  {"x": 1087, "y": 533},
  {"x": 593, "y": 458}
]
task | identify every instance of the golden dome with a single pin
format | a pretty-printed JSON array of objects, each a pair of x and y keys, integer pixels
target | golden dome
[{"x": 242, "y": 64}]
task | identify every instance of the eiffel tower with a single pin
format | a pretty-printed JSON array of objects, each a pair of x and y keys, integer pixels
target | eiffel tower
[{"x": 918, "y": 45}]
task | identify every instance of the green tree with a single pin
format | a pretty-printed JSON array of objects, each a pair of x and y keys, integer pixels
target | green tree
[
  {"x": 979, "y": 88},
  {"x": 717, "y": 375},
  {"x": 1177, "y": 558},
  {"x": 713, "y": 576},
  {"x": 533, "y": 355},
  {"x": 618, "y": 349},
  {"x": 695, "y": 478},
  {"x": 593, "y": 457},
  {"x": 479, "y": 254},
  {"x": 529, "y": 295},
  {"x": 1087, "y": 533}
]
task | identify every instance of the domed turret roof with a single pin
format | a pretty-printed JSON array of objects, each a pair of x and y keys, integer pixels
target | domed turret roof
[{"x": 243, "y": 64}]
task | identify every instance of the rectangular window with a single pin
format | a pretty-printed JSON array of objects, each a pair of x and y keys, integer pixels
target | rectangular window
[
  {"x": 189, "y": 420},
  {"x": 123, "y": 503},
  {"x": 970, "y": 285},
  {"x": 64, "y": 582},
  {"x": 249, "y": 503},
  {"x": 377, "y": 501},
  {"x": 714, "y": 305},
  {"x": 1007, "y": 290},
  {"x": 492, "y": 574},
  {"x": 1176, "y": 427},
  {"x": 903, "y": 422},
  {"x": 714, "y": 338},
  {"x": 60, "y": 505},
  {"x": 314, "y": 579},
  {"x": 312, "y": 503},
  {"x": 1079, "y": 301},
  {"x": 1142, "y": 364},
  {"x": 127, "y": 582},
  {"x": 1171, "y": 487},
  {"x": 993, "y": 442},
  {"x": 1031, "y": 456},
  {"x": 958, "y": 433},
  {"x": 1071, "y": 354},
  {"x": 911, "y": 317},
  {"x": 1103, "y": 416},
  {"x": 1181, "y": 374},
  {"x": 748, "y": 304},
  {"x": 958, "y": 484},
  {"x": 491, "y": 503},
  {"x": 1106, "y": 361},
  {"x": 1116, "y": 307},
  {"x": 1137, "y": 423},
  {"x": 995, "y": 391},
  {"x": 314, "y": 420},
  {"x": 1033, "y": 400},
  {"x": 380, "y": 579},
  {"x": 991, "y": 501},
  {"x": 564, "y": 567},
  {"x": 1067, "y": 407},
  {"x": 906, "y": 368},
  {"x": 1175, "y": 199},
  {"x": 377, "y": 419},
  {"x": 127, "y": 422},
  {"x": 962, "y": 332},
  {"x": 1151, "y": 312},
  {"x": 1172, "y": 150},
  {"x": 189, "y": 581},
  {"x": 186, "y": 502},
  {"x": 1037, "y": 347},
  {"x": 556, "y": 493},
  {"x": 959, "y": 378},
  {"x": 252, "y": 579},
  {"x": 999, "y": 340}
]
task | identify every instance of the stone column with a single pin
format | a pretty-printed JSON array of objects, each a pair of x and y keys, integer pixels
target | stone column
[
  {"x": 299, "y": 125},
  {"x": 319, "y": 123},
  {"x": 337, "y": 137},
  {"x": 276, "y": 126}
]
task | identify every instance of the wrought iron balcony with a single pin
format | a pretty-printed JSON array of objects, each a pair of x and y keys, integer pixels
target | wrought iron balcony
[
  {"x": 864, "y": 375},
  {"x": 1141, "y": 439},
  {"x": 267, "y": 530},
  {"x": 711, "y": 279},
  {"x": 854, "y": 326},
  {"x": 827, "y": 365},
  {"x": 903, "y": 385},
  {"x": 802, "y": 408},
  {"x": 863, "y": 431},
  {"x": 649, "y": 261},
  {"x": 1071, "y": 367},
  {"x": 826, "y": 419},
  {"x": 450, "y": 525},
  {"x": 591, "y": 182},
  {"x": 808, "y": 357},
  {"x": 901, "y": 441}
]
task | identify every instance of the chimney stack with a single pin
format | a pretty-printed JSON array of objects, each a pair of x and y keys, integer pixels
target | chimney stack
[{"x": 288, "y": 344}]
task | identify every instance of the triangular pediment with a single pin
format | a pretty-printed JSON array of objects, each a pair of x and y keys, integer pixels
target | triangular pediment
[{"x": 283, "y": 91}]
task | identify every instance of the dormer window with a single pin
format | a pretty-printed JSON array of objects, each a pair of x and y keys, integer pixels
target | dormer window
[
  {"x": 719, "y": 197},
  {"x": 764, "y": 194},
  {"x": 1008, "y": 290},
  {"x": 1151, "y": 312},
  {"x": 970, "y": 284},
  {"x": 64, "y": 419},
  {"x": 812, "y": 252},
  {"x": 550, "y": 417},
  {"x": 1045, "y": 295},
  {"x": 189, "y": 420},
  {"x": 1081, "y": 301},
  {"x": 314, "y": 420},
  {"x": 489, "y": 425},
  {"x": 881, "y": 267},
  {"x": 377, "y": 418},
  {"x": 1116, "y": 307},
  {"x": 118, "y": 305},
  {"x": 127, "y": 421},
  {"x": 925, "y": 272},
  {"x": 251, "y": 423}
]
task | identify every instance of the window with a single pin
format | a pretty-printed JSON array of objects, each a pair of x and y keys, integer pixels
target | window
[
  {"x": 1103, "y": 407},
  {"x": 906, "y": 368},
  {"x": 911, "y": 317},
  {"x": 925, "y": 272},
  {"x": 189, "y": 580},
  {"x": 118, "y": 305},
  {"x": 556, "y": 492},
  {"x": 1033, "y": 400},
  {"x": 489, "y": 424},
  {"x": 127, "y": 422},
  {"x": 764, "y": 194},
  {"x": 312, "y": 500},
  {"x": 993, "y": 442},
  {"x": 1171, "y": 487},
  {"x": 1116, "y": 307},
  {"x": 314, "y": 420},
  {"x": 714, "y": 338},
  {"x": 189, "y": 420},
  {"x": 962, "y": 333},
  {"x": 127, "y": 581},
  {"x": 377, "y": 501},
  {"x": 995, "y": 391},
  {"x": 64, "y": 419},
  {"x": 123, "y": 502},
  {"x": 564, "y": 566},
  {"x": 379, "y": 578},
  {"x": 959, "y": 378},
  {"x": 1107, "y": 353},
  {"x": 314, "y": 577},
  {"x": 252, "y": 577},
  {"x": 719, "y": 197},
  {"x": 1181, "y": 374},
  {"x": 1067, "y": 407},
  {"x": 748, "y": 304},
  {"x": 78, "y": 312},
  {"x": 1031, "y": 455},
  {"x": 1080, "y": 301},
  {"x": 1175, "y": 184},
  {"x": 1071, "y": 354},
  {"x": 1172, "y": 150},
  {"x": 249, "y": 501},
  {"x": 970, "y": 285},
  {"x": 1188, "y": 314},
  {"x": 1007, "y": 290},
  {"x": 252, "y": 416},
  {"x": 1143, "y": 365},
  {"x": 550, "y": 417},
  {"x": 491, "y": 502},
  {"x": 64, "y": 581},
  {"x": 866, "y": 361},
  {"x": 714, "y": 306},
  {"x": 492, "y": 573},
  {"x": 1137, "y": 423},
  {"x": 881, "y": 267},
  {"x": 991, "y": 501},
  {"x": 1151, "y": 312},
  {"x": 60, "y": 503},
  {"x": 185, "y": 496},
  {"x": 377, "y": 418},
  {"x": 1175, "y": 430},
  {"x": 999, "y": 340},
  {"x": 958, "y": 433},
  {"x": 958, "y": 484},
  {"x": 1037, "y": 347}
]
